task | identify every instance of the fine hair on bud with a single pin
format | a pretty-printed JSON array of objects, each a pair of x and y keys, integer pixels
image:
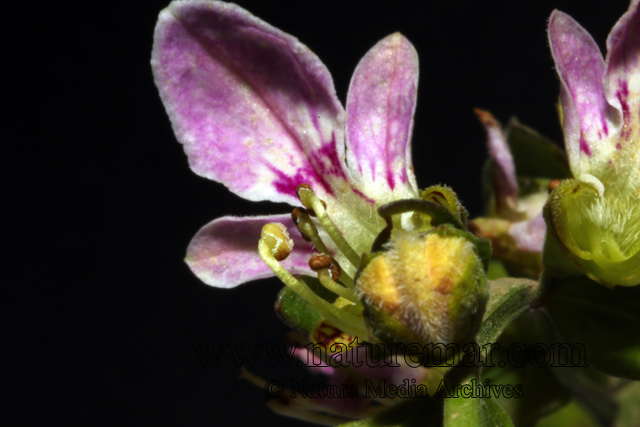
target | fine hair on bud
[{"x": 432, "y": 284}]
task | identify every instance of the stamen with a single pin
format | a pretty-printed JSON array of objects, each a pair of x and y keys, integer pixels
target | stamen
[
  {"x": 277, "y": 238},
  {"x": 328, "y": 274},
  {"x": 309, "y": 232},
  {"x": 307, "y": 228},
  {"x": 311, "y": 201},
  {"x": 347, "y": 322}
]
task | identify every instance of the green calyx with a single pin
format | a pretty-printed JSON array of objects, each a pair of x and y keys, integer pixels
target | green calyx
[{"x": 601, "y": 232}]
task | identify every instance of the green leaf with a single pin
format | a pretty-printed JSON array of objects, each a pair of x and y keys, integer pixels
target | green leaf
[
  {"x": 295, "y": 311},
  {"x": 509, "y": 297},
  {"x": 417, "y": 412},
  {"x": 472, "y": 412},
  {"x": 606, "y": 321},
  {"x": 543, "y": 392},
  {"x": 534, "y": 155}
]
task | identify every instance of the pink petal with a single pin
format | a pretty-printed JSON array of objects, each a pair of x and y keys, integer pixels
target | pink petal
[
  {"x": 529, "y": 235},
  {"x": 622, "y": 77},
  {"x": 504, "y": 170},
  {"x": 588, "y": 117},
  {"x": 224, "y": 253},
  {"x": 254, "y": 108},
  {"x": 380, "y": 107}
]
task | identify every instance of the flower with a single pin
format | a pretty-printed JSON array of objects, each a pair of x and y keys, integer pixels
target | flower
[
  {"x": 596, "y": 215},
  {"x": 257, "y": 111},
  {"x": 515, "y": 224}
]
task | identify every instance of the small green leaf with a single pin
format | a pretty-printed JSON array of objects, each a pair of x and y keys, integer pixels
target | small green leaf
[
  {"x": 509, "y": 297},
  {"x": 606, "y": 321},
  {"x": 480, "y": 412},
  {"x": 534, "y": 155}
]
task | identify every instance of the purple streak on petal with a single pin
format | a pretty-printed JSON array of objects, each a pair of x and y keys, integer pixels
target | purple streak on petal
[
  {"x": 380, "y": 107},
  {"x": 584, "y": 147},
  {"x": 622, "y": 75},
  {"x": 580, "y": 66},
  {"x": 622, "y": 95},
  {"x": 332, "y": 165},
  {"x": 529, "y": 235},
  {"x": 504, "y": 170},
  {"x": 364, "y": 196},
  {"x": 224, "y": 253},
  {"x": 245, "y": 98}
]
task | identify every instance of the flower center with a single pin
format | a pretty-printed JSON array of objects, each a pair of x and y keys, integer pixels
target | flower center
[{"x": 607, "y": 227}]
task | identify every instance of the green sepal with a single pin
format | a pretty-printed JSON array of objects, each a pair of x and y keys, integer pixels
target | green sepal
[
  {"x": 295, "y": 311},
  {"x": 508, "y": 298},
  {"x": 445, "y": 196},
  {"x": 439, "y": 214},
  {"x": 606, "y": 321},
  {"x": 387, "y": 329}
]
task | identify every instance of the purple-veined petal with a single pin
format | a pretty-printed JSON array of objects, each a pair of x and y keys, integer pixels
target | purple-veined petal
[
  {"x": 587, "y": 116},
  {"x": 622, "y": 76},
  {"x": 224, "y": 253},
  {"x": 505, "y": 183},
  {"x": 254, "y": 107},
  {"x": 529, "y": 235},
  {"x": 380, "y": 107}
]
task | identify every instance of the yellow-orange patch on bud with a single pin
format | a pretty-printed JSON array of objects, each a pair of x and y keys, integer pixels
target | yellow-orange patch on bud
[{"x": 432, "y": 284}]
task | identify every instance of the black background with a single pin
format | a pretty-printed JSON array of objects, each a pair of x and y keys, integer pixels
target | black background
[{"x": 100, "y": 311}]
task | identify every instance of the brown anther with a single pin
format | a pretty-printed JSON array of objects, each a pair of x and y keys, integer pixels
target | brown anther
[
  {"x": 297, "y": 213},
  {"x": 553, "y": 184},
  {"x": 320, "y": 262},
  {"x": 302, "y": 187},
  {"x": 334, "y": 270}
]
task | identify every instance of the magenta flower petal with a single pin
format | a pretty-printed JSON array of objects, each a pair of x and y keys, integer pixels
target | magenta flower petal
[
  {"x": 224, "y": 253},
  {"x": 254, "y": 107},
  {"x": 588, "y": 117},
  {"x": 622, "y": 76},
  {"x": 380, "y": 106}
]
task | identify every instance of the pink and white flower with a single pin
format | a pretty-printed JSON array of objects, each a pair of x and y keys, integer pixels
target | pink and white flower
[
  {"x": 596, "y": 215},
  {"x": 257, "y": 111}
]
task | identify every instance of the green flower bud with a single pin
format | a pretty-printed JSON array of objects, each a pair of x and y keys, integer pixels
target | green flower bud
[{"x": 425, "y": 287}]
